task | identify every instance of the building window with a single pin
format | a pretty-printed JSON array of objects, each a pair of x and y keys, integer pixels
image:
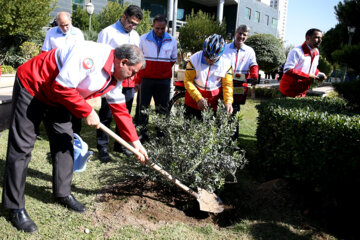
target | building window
[
  {"x": 77, "y": 4},
  {"x": 257, "y": 17},
  {"x": 180, "y": 14},
  {"x": 248, "y": 13},
  {"x": 154, "y": 8},
  {"x": 117, "y": 1},
  {"x": 274, "y": 23},
  {"x": 267, "y": 20}
]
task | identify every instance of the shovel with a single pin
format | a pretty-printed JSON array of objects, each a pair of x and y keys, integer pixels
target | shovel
[{"x": 208, "y": 202}]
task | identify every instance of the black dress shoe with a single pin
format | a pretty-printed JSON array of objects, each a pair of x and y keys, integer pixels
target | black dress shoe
[
  {"x": 122, "y": 149},
  {"x": 71, "y": 203},
  {"x": 22, "y": 221},
  {"x": 104, "y": 156}
]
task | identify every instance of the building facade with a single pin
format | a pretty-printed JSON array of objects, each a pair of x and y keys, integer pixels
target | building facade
[
  {"x": 256, "y": 13},
  {"x": 281, "y": 6}
]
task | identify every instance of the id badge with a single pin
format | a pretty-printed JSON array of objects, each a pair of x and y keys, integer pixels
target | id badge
[{"x": 238, "y": 90}]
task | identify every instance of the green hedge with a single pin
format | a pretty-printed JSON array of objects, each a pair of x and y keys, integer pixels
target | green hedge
[
  {"x": 267, "y": 92},
  {"x": 350, "y": 92},
  {"x": 315, "y": 141}
]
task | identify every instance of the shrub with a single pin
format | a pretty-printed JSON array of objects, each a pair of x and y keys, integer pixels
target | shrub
[
  {"x": 324, "y": 66},
  {"x": 29, "y": 50},
  {"x": 348, "y": 55},
  {"x": 269, "y": 51},
  {"x": 200, "y": 154},
  {"x": 80, "y": 19},
  {"x": 24, "y": 18},
  {"x": 268, "y": 92},
  {"x": 315, "y": 141},
  {"x": 11, "y": 57},
  {"x": 199, "y": 26},
  {"x": 90, "y": 35},
  {"x": 7, "y": 69},
  {"x": 350, "y": 92}
]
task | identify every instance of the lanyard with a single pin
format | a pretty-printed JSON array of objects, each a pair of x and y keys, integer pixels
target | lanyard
[
  {"x": 207, "y": 78},
  {"x": 237, "y": 54},
  {"x": 312, "y": 58}
]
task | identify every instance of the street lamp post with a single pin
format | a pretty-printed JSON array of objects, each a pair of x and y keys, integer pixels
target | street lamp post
[
  {"x": 351, "y": 31},
  {"x": 90, "y": 10}
]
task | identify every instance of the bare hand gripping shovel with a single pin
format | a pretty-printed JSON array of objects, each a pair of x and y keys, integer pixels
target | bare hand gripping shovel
[{"x": 208, "y": 202}]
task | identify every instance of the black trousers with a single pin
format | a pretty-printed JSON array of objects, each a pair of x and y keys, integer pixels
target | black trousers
[
  {"x": 27, "y": 114},
  {"x": 236, "y": 109},
  {"x": 159, "y": 89},
  {"x": 76, "y": 124},
  {"x": 105, "y": 116}
]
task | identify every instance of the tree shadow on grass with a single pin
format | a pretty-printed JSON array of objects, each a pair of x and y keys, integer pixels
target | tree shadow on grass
[
  {"x": 41, "y": 193},
  {"x": 129, "y": 178},
  {"x": 275, "y": 231}
]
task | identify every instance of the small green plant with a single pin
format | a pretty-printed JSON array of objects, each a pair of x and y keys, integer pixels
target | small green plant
[
  {"x": 90, "y": 35},
  {"x": 198, "y": 26},
  {"x": 29, "y": 50},
  {"x": 198, "y": 153},
  {"x": 325, "y": 66},
  {"x": 271, "y": 92},
  {"x": 349, "y": 91},
  {"x": 269, "y": 51},
  {"x": 7, "y": 69}
]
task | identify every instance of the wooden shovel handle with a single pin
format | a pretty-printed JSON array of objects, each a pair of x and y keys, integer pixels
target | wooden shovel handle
[{"x": 149, "y": 163}]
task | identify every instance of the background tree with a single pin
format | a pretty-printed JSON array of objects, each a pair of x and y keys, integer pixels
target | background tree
[
  {"x": 24, "y": 18},
  {"x": 269, "y": 51},
  {"x": 288, "y": 49},
  {"x": 333, "y": 39},
  {"x": 347, "y": 13},
  {"x": 22, "y": 21},
  {"x": 108, "y": 16},
  {"x": 325, "y": 66},
  {"x": 80, "y": 19},
  {"x": 349, "y": 55},
  {"x": 199, "y": 26},
  {"x": 334, "y": 46}
]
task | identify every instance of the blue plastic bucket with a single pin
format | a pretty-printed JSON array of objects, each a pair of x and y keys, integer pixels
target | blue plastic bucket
[{"x": 81, "y": 154}]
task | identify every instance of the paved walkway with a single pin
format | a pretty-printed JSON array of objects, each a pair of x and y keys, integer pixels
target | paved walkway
[
  {"x": 323, "y": 90},
  {"x": 6, "y": 86}
]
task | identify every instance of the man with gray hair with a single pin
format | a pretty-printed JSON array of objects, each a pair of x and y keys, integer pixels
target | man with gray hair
[
  {"x": 48, "y": 88},
  {"x": 243, "y": 61},
  {"x": 64, "y": 33}
]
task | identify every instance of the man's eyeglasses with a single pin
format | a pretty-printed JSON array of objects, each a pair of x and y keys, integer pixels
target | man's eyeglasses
[{"x": 131, "y": 22}]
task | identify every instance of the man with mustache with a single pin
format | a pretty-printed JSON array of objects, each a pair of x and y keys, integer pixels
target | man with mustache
[
  {"x": 121, "y": 32},
  {"x": 47, "y": 89},
  {"x": 244, "y": 65},
  {"x": 300, "y": 69},
  {"x": 64, "y": 34}
]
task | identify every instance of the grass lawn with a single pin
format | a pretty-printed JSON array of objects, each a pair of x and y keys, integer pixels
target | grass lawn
[{"x": 105, "y": 218}]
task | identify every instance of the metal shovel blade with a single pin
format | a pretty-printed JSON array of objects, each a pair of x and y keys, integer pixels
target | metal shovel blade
[{"x": 209, "y": 202}]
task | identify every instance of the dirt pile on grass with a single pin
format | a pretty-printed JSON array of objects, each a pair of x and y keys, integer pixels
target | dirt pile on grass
[{"x": 147, "y": 205}]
